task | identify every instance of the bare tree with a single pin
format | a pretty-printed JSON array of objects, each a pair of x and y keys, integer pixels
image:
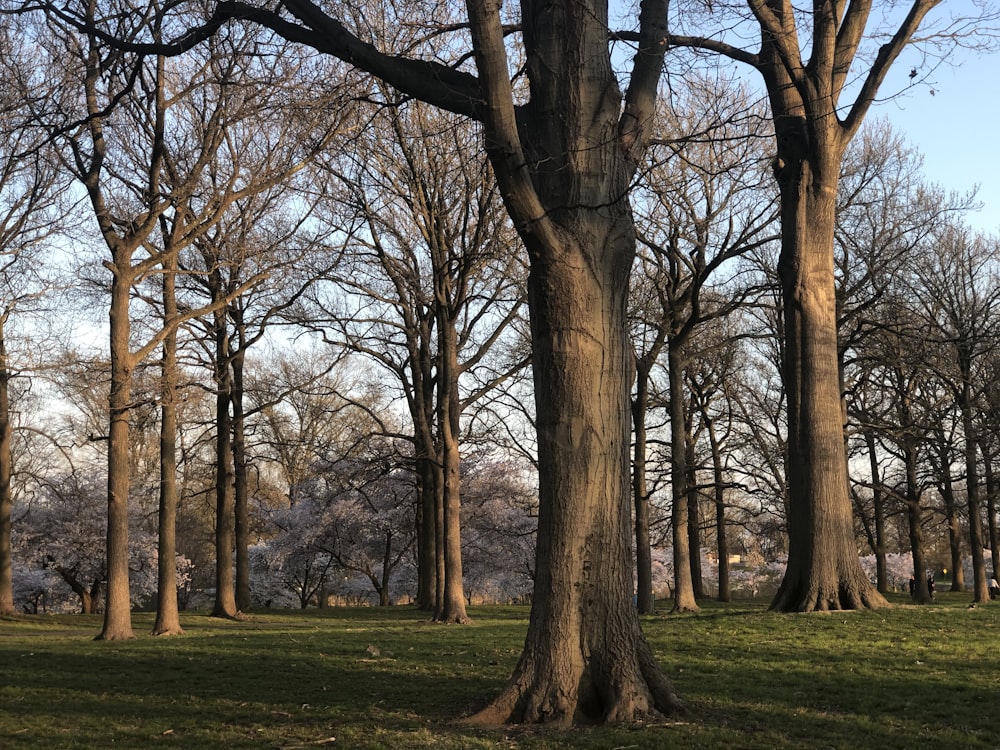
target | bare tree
[
  {"x": 813, "y": 128},
  {"x": 699, "y": 207},
  {"x": 435, "y": 288},
  {"x": 564, "y": 152},
  {"x": 29, "y": 213},
  {"x": 960, "y": 292}
]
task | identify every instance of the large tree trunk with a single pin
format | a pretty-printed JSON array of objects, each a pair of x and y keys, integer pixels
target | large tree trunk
[
  {"x": 118, "y": 611},
  {"x": 167, "y": 618},
  {"x": 824, "y": 571},
  {"x": 6, "y": 497},
  {"x": 640, "y": 495},
  {"x": 584, "y": 657}
]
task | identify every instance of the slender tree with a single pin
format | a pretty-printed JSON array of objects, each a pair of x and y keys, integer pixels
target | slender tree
[{"x": 29, "y": 210}]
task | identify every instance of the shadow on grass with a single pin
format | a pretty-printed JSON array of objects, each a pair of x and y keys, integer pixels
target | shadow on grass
[{"x": 904, "y": 678}]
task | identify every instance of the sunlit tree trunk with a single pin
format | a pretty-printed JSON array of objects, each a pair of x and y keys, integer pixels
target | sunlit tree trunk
[{"x": 453, "y": 603}]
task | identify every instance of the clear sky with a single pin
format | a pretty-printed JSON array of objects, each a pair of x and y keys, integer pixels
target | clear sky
[{"x": 957, "y": 128}]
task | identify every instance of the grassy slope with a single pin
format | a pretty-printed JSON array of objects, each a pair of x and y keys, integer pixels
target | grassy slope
[{"x": 912, "y": 677}]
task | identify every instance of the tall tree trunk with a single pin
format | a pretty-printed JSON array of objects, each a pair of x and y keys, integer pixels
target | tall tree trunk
[
  {"x": 823, "y": 571},
  {"x": 684, "y": 594},
  {"x": 225, "y": 597},
  {"x": 6, "y": 496},
  {"x": 694, "y": 506},
  {"x": 640, "y": 494},
  {"x": 167, "y": 617},
  {"x": 118, "y": 610},
  {"x": 453, "y": 604},
  {"x": 241, "y": 500}
]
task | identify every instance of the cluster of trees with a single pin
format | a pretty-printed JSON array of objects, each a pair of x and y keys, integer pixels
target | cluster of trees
[{"x": 353, "y": 338}]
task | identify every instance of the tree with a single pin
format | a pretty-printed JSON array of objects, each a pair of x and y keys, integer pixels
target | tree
[
  {"x": 812, "y": 131},
  {"x": 564, "y": 152},
  {"x": 698, "y": 209},
  {"x": 961, "y": 290},
  {"x": 29, "y": 208},
  {"x": 433, "y": 287}
]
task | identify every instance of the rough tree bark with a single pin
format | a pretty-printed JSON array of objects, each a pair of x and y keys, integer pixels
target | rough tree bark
[{"x": 812, "y": 130}]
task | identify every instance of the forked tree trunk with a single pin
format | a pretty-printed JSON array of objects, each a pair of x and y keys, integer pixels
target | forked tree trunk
[
  {"x": 167, "y": 618},
  {"x": 585, "y": 658}
]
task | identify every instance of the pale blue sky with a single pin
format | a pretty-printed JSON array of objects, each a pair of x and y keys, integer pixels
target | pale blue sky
[{"x": 957, "y": 129}]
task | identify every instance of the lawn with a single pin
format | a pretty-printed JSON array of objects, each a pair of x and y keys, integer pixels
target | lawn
[{"x": 910, "y": 677}]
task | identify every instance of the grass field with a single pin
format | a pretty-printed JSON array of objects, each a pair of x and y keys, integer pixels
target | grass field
[{"x": 910, "y": 677}]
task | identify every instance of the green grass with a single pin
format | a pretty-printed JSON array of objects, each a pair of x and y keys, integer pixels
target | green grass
[{"x": 911, "y": 677}]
